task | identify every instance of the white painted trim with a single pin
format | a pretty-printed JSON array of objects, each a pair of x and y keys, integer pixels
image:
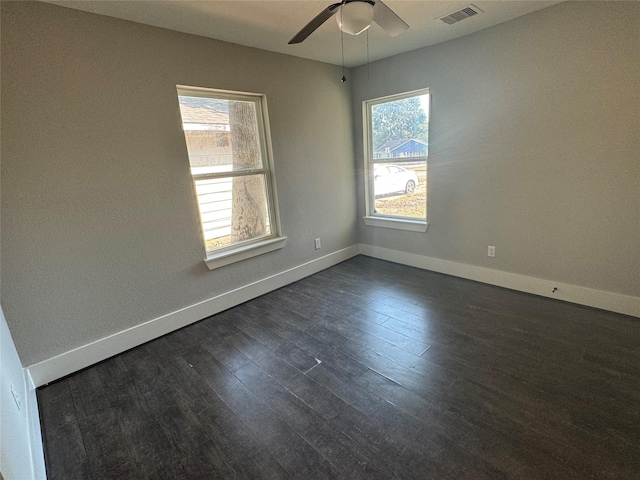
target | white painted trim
[
  {"x": 590, "y": 297},
  {"x": 35, "y": 435},
  {"x": 217, "y": 260},
  {"x": 68, "y": 362},
  {"x": 396, "y": 223}
]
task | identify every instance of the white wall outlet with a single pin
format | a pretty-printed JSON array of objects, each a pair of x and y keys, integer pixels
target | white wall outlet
[
  {"x": 16, "y": 398},
  {"x": 318, "y": 244},
  {"x": 491, "y": 251}
]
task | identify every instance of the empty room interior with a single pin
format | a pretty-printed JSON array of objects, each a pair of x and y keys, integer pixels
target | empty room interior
[{"x": 239, "y": 241}]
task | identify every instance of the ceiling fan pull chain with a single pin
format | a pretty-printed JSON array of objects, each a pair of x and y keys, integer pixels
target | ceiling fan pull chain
[
  {"x": 368, "y": 62},
  {"x": 343, "y": 79}
]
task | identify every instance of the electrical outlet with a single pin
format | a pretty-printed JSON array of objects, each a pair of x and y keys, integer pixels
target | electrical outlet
[
  {"x": 491, "y": 251},
  {"x": 318, "y": 244},
  {"x": 15, "y": 396}
]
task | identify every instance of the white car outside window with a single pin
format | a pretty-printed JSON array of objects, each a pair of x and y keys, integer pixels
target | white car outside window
[{"x": 392, "y": 178}]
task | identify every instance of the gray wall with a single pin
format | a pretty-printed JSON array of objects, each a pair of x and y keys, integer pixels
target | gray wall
[
  {"x": 99, "y": 225},
  {"x": 15, "y": 442},
  {"x": 533, "y": 149},
  {"x": 533, "y": 145}
]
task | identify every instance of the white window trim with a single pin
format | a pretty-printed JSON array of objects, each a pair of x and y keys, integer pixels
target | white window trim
[
  {"x": 242, "y": 252},
  {"x": 408, "y": 224},
  {"x": 377, "y": 220},
  {"x": 276, "y": 240}
]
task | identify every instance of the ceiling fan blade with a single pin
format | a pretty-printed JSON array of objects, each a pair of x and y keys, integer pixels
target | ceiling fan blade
[
  {"x": 311, "y": 27},
  {"x": 388, "y": 20}
]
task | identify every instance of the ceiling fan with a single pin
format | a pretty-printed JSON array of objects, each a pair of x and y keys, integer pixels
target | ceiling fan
[{"x": 354, "y": 17}]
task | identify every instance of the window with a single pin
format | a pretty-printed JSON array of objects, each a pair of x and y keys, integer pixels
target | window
[
  {"x": 228, "y": 142},
  {"x": 396, "y": 151}
]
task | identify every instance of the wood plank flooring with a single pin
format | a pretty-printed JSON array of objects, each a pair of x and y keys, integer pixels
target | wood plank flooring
[{"x": 367, "y": 370}]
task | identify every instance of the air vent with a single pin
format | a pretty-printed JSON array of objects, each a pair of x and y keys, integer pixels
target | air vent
[{"x": 458, "y": 15}]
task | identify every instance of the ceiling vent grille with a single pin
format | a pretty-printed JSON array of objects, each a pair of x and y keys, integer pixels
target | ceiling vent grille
[{"x": 459, "y": 15}]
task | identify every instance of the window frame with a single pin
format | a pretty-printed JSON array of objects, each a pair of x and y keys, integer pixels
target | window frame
[
  {"x": 372, "y": 218},
  {"x": 265, "y": 243}
]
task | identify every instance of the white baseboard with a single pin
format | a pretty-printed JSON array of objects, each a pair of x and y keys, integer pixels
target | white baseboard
[
  {"x": 35, "y": 435},
  {"x": 69, "y": 362},
  {"x": 590, "y": 297}
]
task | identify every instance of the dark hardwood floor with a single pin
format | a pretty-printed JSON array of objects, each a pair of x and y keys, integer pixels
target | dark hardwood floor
[{"x": 367, "y": 370}]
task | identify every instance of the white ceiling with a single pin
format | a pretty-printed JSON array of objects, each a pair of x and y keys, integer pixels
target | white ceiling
[{"x": 269, "y": 25}]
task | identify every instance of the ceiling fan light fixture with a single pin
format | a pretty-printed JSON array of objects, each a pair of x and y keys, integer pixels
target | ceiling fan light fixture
[{"x": 355, "y": 17}]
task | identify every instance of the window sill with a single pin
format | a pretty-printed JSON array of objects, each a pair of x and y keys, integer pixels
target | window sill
[
  {"x": 396, "y": 223},
  {"x": 217, "y": 260}
]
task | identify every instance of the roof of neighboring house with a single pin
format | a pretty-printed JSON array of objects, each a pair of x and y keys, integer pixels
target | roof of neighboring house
[
  {"x": 204, "y": 110},
  {"x": 393, "y": 144}
]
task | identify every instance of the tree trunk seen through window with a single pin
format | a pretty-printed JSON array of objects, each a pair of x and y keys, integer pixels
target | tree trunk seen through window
[{"x": 249, "y": 208}]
